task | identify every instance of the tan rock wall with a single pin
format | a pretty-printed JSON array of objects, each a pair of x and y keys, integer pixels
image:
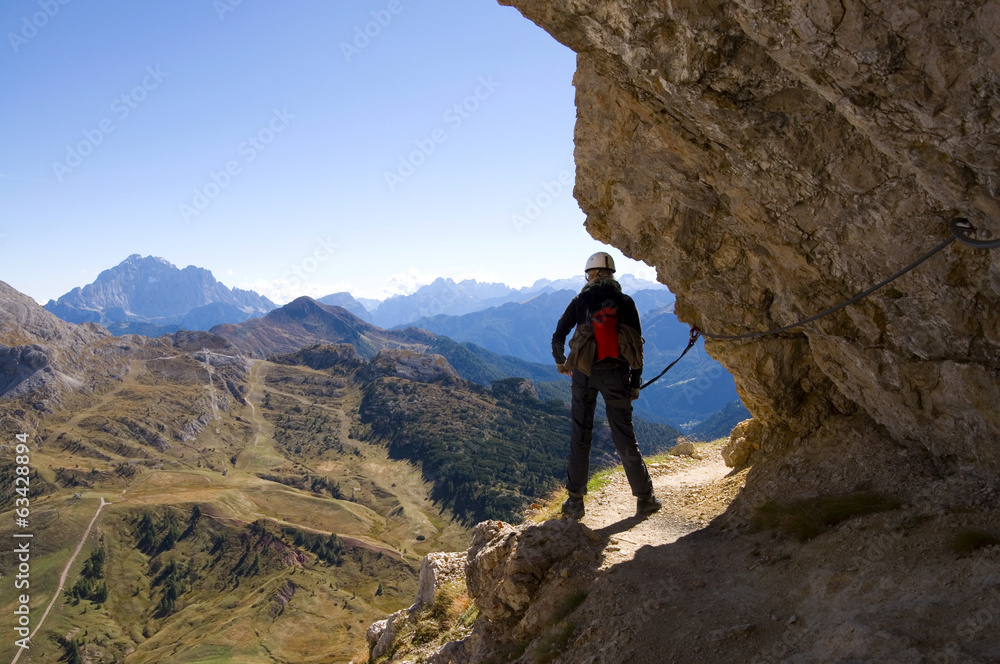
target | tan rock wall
[{"x": 771, "y": 158}]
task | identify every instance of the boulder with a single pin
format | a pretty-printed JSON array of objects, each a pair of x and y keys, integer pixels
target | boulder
[
  {"x": 684, "y": 449},
  {"x": 739, "y": 449},
  {"x": 382, "y": 633},
  {"x": 436, "y": 571},
  {"x": 520, "y": 576}
]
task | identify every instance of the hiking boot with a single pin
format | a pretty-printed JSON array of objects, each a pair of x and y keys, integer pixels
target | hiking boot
[
  {"x": 572, "y": 507},
  {"x": 648, "y": 505}
]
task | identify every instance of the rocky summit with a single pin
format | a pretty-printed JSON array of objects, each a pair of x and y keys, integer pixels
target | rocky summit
[
  {"x": 773, "y": 158},
  {"x": 152, "y": 290}
]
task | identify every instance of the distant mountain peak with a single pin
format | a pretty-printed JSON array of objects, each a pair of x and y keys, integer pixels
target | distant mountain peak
[
  {"x": 347, "y": 301},
  {"x": 304, "y": 306},
  {"x": 139, "y": 261},
  {"x": 152, "y": 290},
  {"x": 304, "y": 322}
]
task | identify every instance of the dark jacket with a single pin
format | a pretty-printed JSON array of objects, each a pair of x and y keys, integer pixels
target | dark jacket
[{"x": 592, "y": 294}]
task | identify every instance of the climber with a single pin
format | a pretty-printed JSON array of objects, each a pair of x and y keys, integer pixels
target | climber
[{"x": 606, "y": 357}]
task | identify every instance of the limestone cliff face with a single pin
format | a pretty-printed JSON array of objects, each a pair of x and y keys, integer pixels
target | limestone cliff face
[{"x": 772, "y": 158}]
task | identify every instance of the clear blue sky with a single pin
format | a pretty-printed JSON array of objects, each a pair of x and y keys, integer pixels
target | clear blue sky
[{"x": 250, "y": 137}]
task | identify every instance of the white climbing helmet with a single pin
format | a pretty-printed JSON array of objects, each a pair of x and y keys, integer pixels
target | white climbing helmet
[{"x": 600, "y": 261}]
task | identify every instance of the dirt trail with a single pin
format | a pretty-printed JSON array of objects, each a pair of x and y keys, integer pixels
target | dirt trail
[
  {"x": 256, "y": 379},
  {"x": 62, "y": 577},
  {"x": 646, "y": 578},
  {"x": 693, "y": 491}
]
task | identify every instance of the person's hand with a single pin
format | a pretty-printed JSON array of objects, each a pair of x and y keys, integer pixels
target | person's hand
[
  {"x": 561, "y": 368},
  {"x": 635, "y": 393}
]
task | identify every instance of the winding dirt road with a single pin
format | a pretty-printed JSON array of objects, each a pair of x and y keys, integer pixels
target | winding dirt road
[{"x": 62, "y": 577}]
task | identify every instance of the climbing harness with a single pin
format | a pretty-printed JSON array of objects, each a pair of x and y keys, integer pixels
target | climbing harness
[{"x": 961, "y": 230}]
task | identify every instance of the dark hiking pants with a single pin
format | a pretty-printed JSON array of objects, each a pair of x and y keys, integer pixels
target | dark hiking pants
[{"x": 611, "y": 379}]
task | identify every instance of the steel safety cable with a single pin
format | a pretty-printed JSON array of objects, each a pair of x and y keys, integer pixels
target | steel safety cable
[{"x": 961, "y": 230}]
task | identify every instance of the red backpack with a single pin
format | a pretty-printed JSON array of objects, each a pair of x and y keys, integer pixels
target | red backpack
[{"x": 605, "y": 323}]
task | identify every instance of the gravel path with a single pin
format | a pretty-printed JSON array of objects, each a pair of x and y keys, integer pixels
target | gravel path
[
  {"x": 641, "y": 584},
  {"x": 693, "y": 491}
]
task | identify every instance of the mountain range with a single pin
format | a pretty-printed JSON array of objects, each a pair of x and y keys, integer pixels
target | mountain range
[
  {"x": 451, "y": 298},
  {"x": 306, "y": 322},
  {"x": 524, "y": 328},
  {"x": 695, "y": 388},
  {"x": 150, "y": 296},
  {"x": 488, "y": 331}
]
